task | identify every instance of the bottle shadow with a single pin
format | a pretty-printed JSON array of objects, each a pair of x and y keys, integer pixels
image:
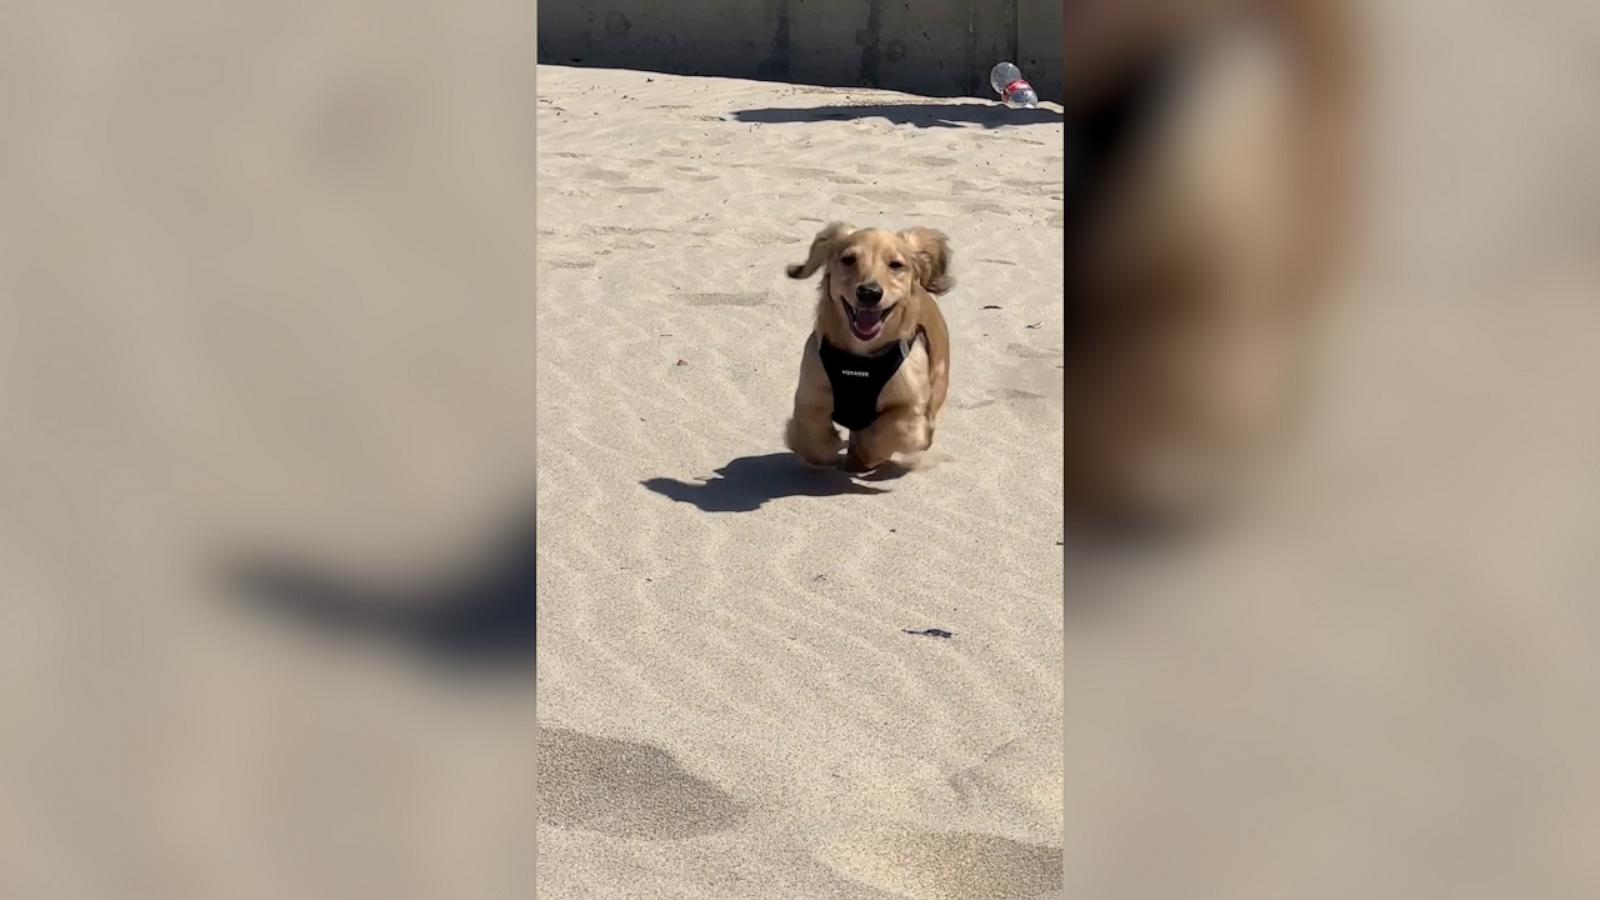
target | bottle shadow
[{"x": 920, "y": 115}]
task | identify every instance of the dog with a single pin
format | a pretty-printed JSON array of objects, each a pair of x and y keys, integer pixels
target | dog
[
  {"x": 1210, "y": 175},
  {"x": 877, "y": 362}
]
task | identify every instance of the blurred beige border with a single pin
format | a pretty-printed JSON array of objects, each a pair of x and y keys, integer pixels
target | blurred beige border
[{"x": 266, "y": 284}]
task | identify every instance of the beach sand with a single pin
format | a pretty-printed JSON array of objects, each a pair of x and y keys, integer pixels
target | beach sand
[{"x": 730, "y": 703}]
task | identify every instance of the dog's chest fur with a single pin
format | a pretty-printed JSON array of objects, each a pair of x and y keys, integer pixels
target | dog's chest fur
[{"x": 911, "y": 385}]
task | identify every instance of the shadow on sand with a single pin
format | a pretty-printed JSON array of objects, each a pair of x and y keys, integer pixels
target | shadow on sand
[
  {"x": 746, "y": 483},
  {"x": 922, "y": 115},
  {"x": 477, "y": 619}
]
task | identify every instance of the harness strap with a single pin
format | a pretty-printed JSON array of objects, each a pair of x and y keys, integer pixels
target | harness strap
[{"x": 858, "y": 380}]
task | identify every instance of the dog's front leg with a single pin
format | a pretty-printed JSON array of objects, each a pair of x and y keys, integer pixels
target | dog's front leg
[
  {"x": 899, "y": 429},
  {"x": 811, "y": 435}
]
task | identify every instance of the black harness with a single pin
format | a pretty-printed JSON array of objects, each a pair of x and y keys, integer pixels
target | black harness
[{"x": 858, "y": 380}]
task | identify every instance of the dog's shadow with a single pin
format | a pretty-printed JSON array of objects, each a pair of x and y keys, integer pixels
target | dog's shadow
[{"x": 749, "y": 482}]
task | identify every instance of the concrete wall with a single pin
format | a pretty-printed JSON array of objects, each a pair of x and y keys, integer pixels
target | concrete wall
[{"x": 933, "y": 47}]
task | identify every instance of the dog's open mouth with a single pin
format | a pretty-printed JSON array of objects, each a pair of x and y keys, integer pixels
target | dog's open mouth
[{"x": 865, "y": 324}]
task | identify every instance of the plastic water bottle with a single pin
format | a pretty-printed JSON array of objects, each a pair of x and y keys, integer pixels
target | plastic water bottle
[{"x": 1007, "y": 81}]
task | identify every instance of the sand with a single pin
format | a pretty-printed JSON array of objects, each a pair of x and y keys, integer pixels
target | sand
[{"x": 730, "y": 704}]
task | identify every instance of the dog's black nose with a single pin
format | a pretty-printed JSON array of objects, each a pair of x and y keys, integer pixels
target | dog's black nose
[{"x": 869, "y": 294}]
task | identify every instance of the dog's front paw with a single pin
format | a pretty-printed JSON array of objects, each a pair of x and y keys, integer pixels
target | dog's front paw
[
  {"x": 855, "y": 462},
  {"x": 819, "y": 447}
]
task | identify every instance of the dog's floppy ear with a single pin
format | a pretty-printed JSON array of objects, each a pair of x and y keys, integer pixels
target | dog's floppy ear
[
  {"x": 821, "y": 247},
  {"x": 931, "y": 251}
]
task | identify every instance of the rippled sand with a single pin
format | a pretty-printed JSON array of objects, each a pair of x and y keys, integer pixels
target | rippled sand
[{"x": 732, "y": 707}]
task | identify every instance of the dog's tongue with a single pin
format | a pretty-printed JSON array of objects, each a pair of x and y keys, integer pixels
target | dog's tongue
[{"x": 866, "y": 319}]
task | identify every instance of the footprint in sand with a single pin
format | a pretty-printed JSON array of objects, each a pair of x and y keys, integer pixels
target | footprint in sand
[
  {"x": 625, "y": 789},
  {"x": 947, "y": 865},
  {"x": 1020, "y": 782}
]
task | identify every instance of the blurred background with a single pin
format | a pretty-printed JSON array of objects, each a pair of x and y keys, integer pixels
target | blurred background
[
  {"x": 266, "y": 440},
  {"x": 266, "y": 437},
  {"x": 1373, "y": 677}
]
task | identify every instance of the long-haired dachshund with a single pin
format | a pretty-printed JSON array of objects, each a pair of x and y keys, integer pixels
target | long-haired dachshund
[{"x": 877, "y": 362}]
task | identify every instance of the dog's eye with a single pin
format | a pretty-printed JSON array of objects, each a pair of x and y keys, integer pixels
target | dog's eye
[
  {"x": 848, "y": 259},
  {"x": 896, "y": 265}
]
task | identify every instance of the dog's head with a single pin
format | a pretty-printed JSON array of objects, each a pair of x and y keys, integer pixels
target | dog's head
[{"x": 871, "y": 274}]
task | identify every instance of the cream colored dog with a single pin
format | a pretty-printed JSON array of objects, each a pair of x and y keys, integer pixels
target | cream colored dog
[{"x": 877, "y": 362}]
